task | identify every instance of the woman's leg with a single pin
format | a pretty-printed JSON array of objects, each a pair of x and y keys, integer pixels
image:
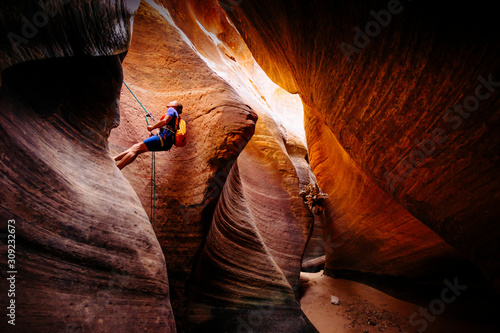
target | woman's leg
[
  {"x": 120, "y": 156},
  {"x": 131, "y": 154}
]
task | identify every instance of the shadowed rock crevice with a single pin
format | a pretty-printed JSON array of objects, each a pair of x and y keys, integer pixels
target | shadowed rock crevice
[{"x": 81, "y": 91}]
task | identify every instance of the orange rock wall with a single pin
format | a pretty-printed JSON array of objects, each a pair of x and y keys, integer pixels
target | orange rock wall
[
  {"x": 190, "y": 180},
  {"x": 380, "y": 102}
]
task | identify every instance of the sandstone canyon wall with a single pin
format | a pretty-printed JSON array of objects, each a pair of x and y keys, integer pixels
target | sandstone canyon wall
[
  {"x": 86, "y": 257},
  {"x": 230, "y": 224},
  {"x": 401, "y": 102},
  {"x": 221, "y": 104},
  {"x": 61, "y": 83}
]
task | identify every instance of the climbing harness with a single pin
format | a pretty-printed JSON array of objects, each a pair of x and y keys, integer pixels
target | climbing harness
[{"x": 153, "y": 163}]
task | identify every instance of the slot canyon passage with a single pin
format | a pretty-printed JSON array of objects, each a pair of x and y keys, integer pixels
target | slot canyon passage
[{"x": 335, "y": 148}]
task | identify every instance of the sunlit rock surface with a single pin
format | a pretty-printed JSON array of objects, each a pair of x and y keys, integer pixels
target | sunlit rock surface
[
  {"x": 370, "y": 109},
  {"x": 220, "y": 106},
  {"x": 188, "y": 180},
  {"x": 391, "y": 235}
]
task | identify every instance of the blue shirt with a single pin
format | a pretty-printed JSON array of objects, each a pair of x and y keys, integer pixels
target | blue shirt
[{"x": 172, "y": 113}]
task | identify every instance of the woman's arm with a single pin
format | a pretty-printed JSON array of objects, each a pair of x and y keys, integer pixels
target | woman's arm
[{"x": 159, "y": 124}]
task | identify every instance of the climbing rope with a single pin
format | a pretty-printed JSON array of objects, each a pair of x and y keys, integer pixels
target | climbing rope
[
  {"x": 153, "y": 189},
  {"x": 153, "y": 164}
]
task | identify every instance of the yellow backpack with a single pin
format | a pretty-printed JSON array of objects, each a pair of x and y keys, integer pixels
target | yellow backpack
[{"x": 181, "y": 132}]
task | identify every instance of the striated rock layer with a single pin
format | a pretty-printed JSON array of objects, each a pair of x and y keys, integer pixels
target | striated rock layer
[
  {"x": 254, "y": 194},
  {"x": 87, "y": 259},
  {"x": 189, "y": 179},
  {"x": 402, "y": 123},
  {"x": 384, "y": 248},
  {"x": 247, "y": 275},
  {"x": 239, "y": 282},
  {"x": 79, "y": 218},
  {"x": 35, "y": 30}
]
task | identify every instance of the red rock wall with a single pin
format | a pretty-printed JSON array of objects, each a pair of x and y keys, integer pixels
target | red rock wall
[
  {"x": 35, "y": 30},
  {"x": 390, "y": 234},
  {"x": 230, "y": 225},
  {"x": 250, "y": 263},
  {"x": 87, "y": 259},
  {"x": 242, "y": 280},
  {"x": 100, "y": 246},
  {"x": 379, "y": 104},
  {"x": 271, "y": 188},
  {"x": 189, "y": 181}
]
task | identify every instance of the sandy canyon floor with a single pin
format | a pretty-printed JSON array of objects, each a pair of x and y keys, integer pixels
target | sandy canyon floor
[{"x": 365, "y": 309}]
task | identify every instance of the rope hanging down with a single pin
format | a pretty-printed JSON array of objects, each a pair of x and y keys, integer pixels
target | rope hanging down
[{"x": 153, "y": 163}]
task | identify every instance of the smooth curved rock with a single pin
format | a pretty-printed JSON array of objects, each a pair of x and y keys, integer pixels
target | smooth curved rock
[
  {"x": 190, "y": 179},
  {"x": 36, "y": 30},
  {"x": 187, "y": 66},
  {"x": 243, "y": 279},
  {"x": 393, "y": 242},
  {"x": 270, "y": 184},
  {"x": 86, "y": 256},
  {"x": 382, "y": 101}
]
